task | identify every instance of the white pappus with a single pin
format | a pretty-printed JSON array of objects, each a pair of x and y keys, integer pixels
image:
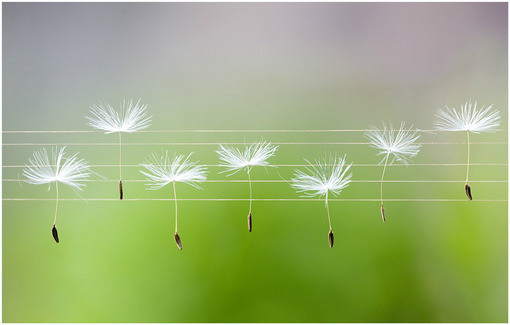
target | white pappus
[
  {"x": 163, "y": 170},
  {"x": 132, "y": 117},
  {"x": 234, "y": 160},
  {"x": 469, "y": 119},
  {"x": 399, "y": 145},
  {"x": 71, "y": 171},
  {"x": 324, "y": 178}
]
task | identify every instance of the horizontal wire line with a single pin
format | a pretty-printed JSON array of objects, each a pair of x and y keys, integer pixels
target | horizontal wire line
[
  {"x": 227, "y": 131},
  {"x": 268, "y": 200},
  {"x": 353, "y": 165},
  {"x": 226, "y": 143},
  {"x": 283, "y": 181}
]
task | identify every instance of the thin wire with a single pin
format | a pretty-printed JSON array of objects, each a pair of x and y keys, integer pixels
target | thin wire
[
  {"x": 290, "y": 165},
  {"x": 281, "y": 143},
  {"x": 229, "y": 143},
  {"x": 287, "y": 165},
  {"x": 269, "y": 200},
  {"x": 283, "y": 181},
  {"x": 225, "y": 131}
]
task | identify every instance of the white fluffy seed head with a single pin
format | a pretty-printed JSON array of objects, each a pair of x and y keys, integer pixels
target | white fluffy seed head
[
  {"x": 398, "y": 144},
  {"x": 256, "y": 154},
  {"x": 163, "y": 170},
  {"x": 326, "y": 176},
  {"x": 469, "y": 118},
  {"x": 132, "y": 117},
  {"x": 67, "y": 170}
]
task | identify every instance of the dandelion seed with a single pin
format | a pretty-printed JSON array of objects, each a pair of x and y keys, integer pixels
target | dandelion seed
[
  {"x": 250, "y": 225},
  {"x": 71, "y": 171},
  {"x": 324, "y": 178},
  {"x": 399, "y": 145},
  {"x": 468, "y": 119},
  {"x": 467, "y": 188},
  {"x": 54, "y": 232},
  {"x": 132, "y": 117},
  {"x": 178, "y": 240},
  {"x": 121, "y": 192},
  {"x": 163, "y": 170},
  {"x": 235, "y": 160}
]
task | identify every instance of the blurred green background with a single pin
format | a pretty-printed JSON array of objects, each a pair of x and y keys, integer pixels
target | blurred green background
[{"x": 261, "y": 66}]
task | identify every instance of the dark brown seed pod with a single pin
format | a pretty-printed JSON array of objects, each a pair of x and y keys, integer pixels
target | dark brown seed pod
[
  {"x": 178, "y": 240},
  {"x": 468, "y": 191},
  {"x": 331, "y": 238},
  {"x": 120, "y": 190},
  {"x": 383, "y": 214},
  {"x": 54, "y": 233},
  {"x": 249, "y": 222}
]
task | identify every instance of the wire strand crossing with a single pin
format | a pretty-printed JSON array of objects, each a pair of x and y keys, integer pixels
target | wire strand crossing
[
  {"x": 232, "y": 143},
  {"x": 222, "y": 131},
  {"x": 269, "y": 200}
]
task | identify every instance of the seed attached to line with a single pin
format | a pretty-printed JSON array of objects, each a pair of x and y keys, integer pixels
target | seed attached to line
[
  {"x": 54, "y": 233},
  {"x": 178, "y": 240},
  {"x": 249, "y": 222},
  {"x": 468, "y": 191},
  {"x": 383, "y": 214},
  {"x": 331, "y": 238},
  {"x": 120, "y": 190}
]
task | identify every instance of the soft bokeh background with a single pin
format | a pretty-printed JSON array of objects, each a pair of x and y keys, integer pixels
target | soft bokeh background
[{"x": 256, "y": 66}]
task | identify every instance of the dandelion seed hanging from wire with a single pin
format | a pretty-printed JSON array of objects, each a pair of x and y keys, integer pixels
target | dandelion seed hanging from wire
[
  {"x": 324, "y": 178},
  {"x": 132, "y": 117},
  {"x": 398, "y": 144},
  {"x": 235, "y": 160},
  {"x": 70, "y": 171},
  {"x": 468, "y": 119},
  {"x": 163, "y": 170}
]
